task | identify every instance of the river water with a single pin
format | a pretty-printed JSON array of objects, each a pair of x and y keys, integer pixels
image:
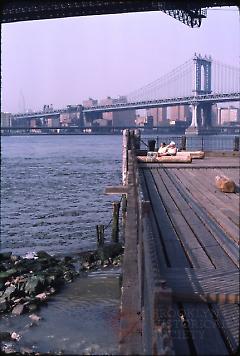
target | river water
[
  {"x": 52, "y": 198},
  {"x": 53, "y": 190}
]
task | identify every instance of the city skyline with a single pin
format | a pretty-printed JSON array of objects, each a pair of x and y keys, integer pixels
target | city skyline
[{"x": 108, "y": 55}]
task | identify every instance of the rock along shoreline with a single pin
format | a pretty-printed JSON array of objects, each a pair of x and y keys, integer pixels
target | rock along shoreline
[{"x": 27, "y": 283}]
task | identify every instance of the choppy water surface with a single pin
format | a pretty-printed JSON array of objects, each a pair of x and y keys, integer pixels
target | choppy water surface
[{"x": 53, "y": 190}]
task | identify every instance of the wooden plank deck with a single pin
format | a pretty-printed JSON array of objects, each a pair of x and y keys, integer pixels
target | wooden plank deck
[{"x": 197, "y": 232}]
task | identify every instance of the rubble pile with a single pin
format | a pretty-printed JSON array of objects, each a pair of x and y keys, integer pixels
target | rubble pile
[{"x": 25, "y": 283}]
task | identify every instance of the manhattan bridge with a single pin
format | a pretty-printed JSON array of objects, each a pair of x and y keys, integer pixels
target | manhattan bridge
[{"x": 199, "y": 82}]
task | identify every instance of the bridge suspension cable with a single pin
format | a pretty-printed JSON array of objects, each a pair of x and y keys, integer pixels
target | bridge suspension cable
[
  {"x": 178, "y": 82},
  {"x": 225, "y": 78}
]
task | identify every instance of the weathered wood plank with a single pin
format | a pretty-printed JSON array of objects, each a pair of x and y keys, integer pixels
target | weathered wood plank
[
  {"x": 166, "y": 159},
  {"x": 116, "y": 190},
  {"x": 189, "y": 241},
  {"x": 188, "y": 211},
  {"x": 204, "y": 332},
  {"x": 228, "y": 318},
  {"x": 163, "y": 261},
  {"x": 227, "y": 244},
  {"x": 223, "y": 220},
  {"x": 169, "y": 237},
  {"x": 206, "y": 177},
  {"x": 193, "y": 154},
  {"x": 130, "y": 316},
  {"x": 202, "y": 282},
  {"x": 179, "y": 337}
]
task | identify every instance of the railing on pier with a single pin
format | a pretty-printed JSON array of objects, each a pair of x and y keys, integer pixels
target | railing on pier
[
  {"x": 146, "y": 302},
  {"x": 203, "y": 143}
]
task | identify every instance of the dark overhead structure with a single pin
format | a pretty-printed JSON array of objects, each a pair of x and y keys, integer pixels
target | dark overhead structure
[{"x": 190, "y": 12}]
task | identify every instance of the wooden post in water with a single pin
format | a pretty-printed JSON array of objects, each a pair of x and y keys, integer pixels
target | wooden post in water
[
  {"x": 125, "y": 156},
  {"x": 124, "y": 213},
  {"x": 137, "y": 138},
  {"x": 115, "y": 223},
  {"x": 100, "y": 235},
  {"x": 236, "y": 143}
]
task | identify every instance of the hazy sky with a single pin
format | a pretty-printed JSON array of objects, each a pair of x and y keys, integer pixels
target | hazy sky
[{"x": 64, "y": 61}]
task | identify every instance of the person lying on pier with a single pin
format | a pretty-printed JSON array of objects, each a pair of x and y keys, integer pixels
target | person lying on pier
[
  {"x": 162, "y": 149},
  {"x": 171, "y": 150}
]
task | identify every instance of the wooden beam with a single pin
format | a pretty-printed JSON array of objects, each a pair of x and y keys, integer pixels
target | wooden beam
[
  {"x": 120, "y": 189},
  {"x": 166, "y": 159},
  {"x": 220, "y": 298}
]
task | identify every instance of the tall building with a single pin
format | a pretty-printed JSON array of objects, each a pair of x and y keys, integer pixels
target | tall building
[
  {"x": 90, "y": 102},
  {"x": 107, "y": 116},
  {"x": 214, "y": 113},
  {"x": 226, "y": 115},
  {"x": 179, "y": 112},
  {"x": 159, "y": 115},
  {"x": 53, "y": 122},
  {"x": 118, "y": 118},
  {"x": 6, "y": 119}
]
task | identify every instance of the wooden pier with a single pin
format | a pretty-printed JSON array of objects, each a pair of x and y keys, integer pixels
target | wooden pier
[{"x": 180, "y": 291}]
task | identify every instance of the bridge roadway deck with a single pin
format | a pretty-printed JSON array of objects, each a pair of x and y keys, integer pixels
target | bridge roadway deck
[{"x": 196, "y": 228}]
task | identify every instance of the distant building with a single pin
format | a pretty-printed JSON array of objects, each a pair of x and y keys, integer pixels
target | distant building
[
  {"x": 6, "y": 119},
  {"x": 53, "y": 122},
  {"x": 72, "y": 116},
  {"x": 227, "y": 115},
  {"x": 33, "y": 123},
  {"x": 107, "y": 115},
  {"x": 214, "y": 118},
  {"x": 118, "y": 118},
  {"x": 179, "y": 113},
  {"x": 159, "y": 115},
  {"x": 90, "y": 102},
  {"x": 65, "y": 119},
  {"x": 140, "y": 120}
]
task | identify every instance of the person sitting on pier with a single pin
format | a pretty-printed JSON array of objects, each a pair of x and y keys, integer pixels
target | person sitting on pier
[
  {"x": 169, "y": 150},
  {"x": 162, "y": 149}
]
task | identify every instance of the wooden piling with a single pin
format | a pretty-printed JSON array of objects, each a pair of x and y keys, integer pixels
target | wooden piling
[
  {"x": 124, "y": 213},
  {"x": 100, "y": 235},
  {"x": 115, "y": 222},
  {"x": 125, "y": 156},
  {"x": 137, "y": 139}
]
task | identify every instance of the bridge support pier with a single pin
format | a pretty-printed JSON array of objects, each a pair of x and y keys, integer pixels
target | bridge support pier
[
  {"x": 207, "y": 115},
  {"x": 193, "y": 129},
  {"x": 90, "y": 117}
]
